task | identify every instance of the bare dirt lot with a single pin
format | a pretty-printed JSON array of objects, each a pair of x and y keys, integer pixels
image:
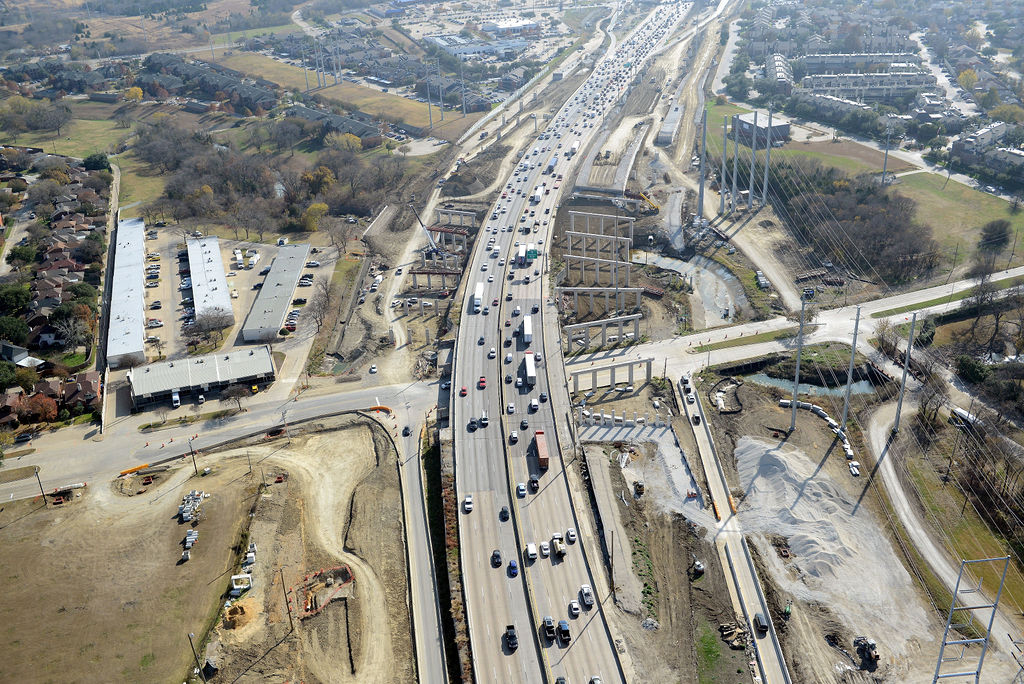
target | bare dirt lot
[
  {"x": 339, "y": 506},
  {"x": 94, "y": 590}
]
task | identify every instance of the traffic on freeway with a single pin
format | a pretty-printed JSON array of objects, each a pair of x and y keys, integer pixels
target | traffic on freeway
[{"x": 532, "y": 602}]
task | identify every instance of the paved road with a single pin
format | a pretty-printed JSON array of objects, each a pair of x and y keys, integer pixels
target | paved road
[{"x": 489, "y": 461}]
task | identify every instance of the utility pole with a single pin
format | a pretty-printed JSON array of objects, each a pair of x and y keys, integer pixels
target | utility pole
[
  {"x": 721, "y": 175},
  {"x": 196, "y": 656},
  {"x": 40, "y": 482},
  {"x": 799, "y": 348},
  {"x": 735, "y": 155},
  {"x": 287, "y": 605},
  {"x": 703, "y": 152},
  {"x": 462, "y": 78},
  {"x": 906, "y": 367},
  {"x": 440, "y": 91},
  {"x": 767, "y": 160},
  {"x": 193, "y": 455},
  {"x": 213, "y": 55},
  {"x": 305, "y": 69},
  {"x": 430, "y": 114},
  {"x": 849, "y": 372},
  {"x": 753, "y": 163},
  {"x": 885, "y": 159}
]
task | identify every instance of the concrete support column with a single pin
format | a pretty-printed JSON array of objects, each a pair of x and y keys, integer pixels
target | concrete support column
[
  {"x": 630, "y": 367},
  {"x": 650, "y": 366},
  {"x": 636, "y": 329},
  {"x": 593, "y": 380}
]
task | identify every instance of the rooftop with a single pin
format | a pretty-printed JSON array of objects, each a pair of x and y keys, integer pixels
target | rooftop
[
  {"x": 209, "y": 285},
  {"x": 125, "y": 335},
  {"x": 200, "y": 371},
  {"x": 275, "y": 297}
]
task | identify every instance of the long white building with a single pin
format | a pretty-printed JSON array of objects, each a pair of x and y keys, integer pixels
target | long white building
[
  {"x": 125, "y": 333},
  {"x": 209, "y": 285}
]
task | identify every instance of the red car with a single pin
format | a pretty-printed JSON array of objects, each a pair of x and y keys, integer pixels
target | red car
[
  {"x": 462, "y": 392},
  {"x": 508, "y": 322},
  {"x": 482, "y": 382},
  {"x": 495, "y": 302}
]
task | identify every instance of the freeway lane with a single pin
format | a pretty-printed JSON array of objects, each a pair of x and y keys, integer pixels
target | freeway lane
[{"x": 546, "y": 585}]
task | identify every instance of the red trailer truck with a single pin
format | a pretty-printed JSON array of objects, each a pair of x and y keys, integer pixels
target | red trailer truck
[{"x": 542, "y": 449}]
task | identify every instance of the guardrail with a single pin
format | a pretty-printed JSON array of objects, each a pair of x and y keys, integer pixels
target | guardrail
[{"x": 767, "y": 614}]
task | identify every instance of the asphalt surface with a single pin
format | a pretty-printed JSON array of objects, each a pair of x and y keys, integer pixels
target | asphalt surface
[{"x": 489, "y": 466}]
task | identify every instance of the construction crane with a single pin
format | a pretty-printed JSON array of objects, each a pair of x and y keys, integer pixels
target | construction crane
[
  {"x": 434, "y": 247},
  {"x": 650, "y": 202}
]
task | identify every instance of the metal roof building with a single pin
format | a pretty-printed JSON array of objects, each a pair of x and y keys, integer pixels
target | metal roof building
[
  {"x": 200, "y": 374},
  {"x": 268, "y": 311},
  {"x": 125, "y": 335},
  {"x": 209, "y": 286}
]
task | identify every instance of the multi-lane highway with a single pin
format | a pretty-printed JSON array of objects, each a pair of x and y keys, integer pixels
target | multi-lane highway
[{"x": 493, "y": 465}]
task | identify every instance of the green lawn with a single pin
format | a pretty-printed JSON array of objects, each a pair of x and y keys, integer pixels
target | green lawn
[
  {"x": 847, "y": 164},
  {"x": 998, "y": 284},
  {"x": 965, "y": 535},
  {"x": 222, "y": 38},
  {"x": 770, "y": 336},
  {"x": 956, "y": 212},
  {"x": 717, "y": 111},
  {"x": 138, "y": 184},
  {"x": 79, "y": 139}
]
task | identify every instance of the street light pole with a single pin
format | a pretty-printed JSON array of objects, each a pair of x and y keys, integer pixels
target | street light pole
[
  {"x": 799, "y": 348},
  {"x": 193, "y": 451},
  {"x": 40, "y": 486},
  {"x": 196, "y": 656}
]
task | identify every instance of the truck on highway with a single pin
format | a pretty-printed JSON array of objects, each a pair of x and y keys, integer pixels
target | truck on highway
[
  {"x": 521, "y": 258},
  {"x": 528, "y": 332},
  {"x": 551, "y": 165},
  {"x": 541, "y": 444},
  {"x": 531, "y": 364},
  {"x": 537, "y": 195},
  {"x": 575, "y": 148},
  {"x": 478, "y": 297}
]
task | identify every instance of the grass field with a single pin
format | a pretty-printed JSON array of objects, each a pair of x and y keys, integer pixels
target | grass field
[
  {"x": 79, "y": 139},
  {"x": 847, "y": 156},
  {"x": 139, "y": 185},
  {"x": 956, "y": 212},
  {"x": 365, "y": 99},
  {"x": 717, "y": 111},
  {"x": 222, "y": 38},
  {"x": 965, "y": 534},
  {"x": 770, "y": 336}
]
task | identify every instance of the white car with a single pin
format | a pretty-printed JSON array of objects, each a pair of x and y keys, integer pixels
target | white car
[
  {"x": 492, "y": 353},
  {"x": 587, "y": 594},
  {"x": 373, "y": 369},
  {"x": 690, "y": 399},
  {"x": 511, "y": 408},
  {"x": 854, "y": 468},
  {"x": 545, "y": 549},
  {"x": 230, "y": 274},
  {"x": 469, "y": 503},
  {"x": 521, "y": 490},
  {"x": 574, "y": 608},
  {"x": 484, "y": 267},
  {"x": 570, "y": 535}
]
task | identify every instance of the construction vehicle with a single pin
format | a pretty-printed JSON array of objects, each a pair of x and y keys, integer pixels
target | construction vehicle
[
  {"x": 556, "y": 541},
  {"x": 650, "y": 202},
  {"x": 639, "y": 487},
  {"x": 867, "y": 649},
  {"x": 434, "y": 247}
]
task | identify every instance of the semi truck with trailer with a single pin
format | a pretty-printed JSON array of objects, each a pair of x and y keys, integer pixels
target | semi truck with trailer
[
  {"x": 537, "y": 195},
  {"x": 478, "y": 297},
  {"x": 575, "y": 148},
  {"x": 531, "y": 369},
  {"x": 551, "y": 165},
  {"x": 528, "y": 330},
  {"x": 542, "y": 449},
  {"x": 521, "y": 259}
]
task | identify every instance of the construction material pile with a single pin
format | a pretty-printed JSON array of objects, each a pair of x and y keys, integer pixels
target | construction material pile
[{"x": 191, "y": 504}]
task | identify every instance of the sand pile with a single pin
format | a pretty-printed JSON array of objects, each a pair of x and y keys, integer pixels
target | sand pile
[{"x": 842, "y": 557}]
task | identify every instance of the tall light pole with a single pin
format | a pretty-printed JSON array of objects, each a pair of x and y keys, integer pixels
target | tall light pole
[
  {"x": 799, "y": 349},
  {"x": 196, "y": 656},
  {"x": 906, "y": 367}
]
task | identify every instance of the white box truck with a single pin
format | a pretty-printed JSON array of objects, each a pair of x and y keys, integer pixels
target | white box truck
[
  {"x": 253, "y": 260},
  {"x": 527, "y": 329},
  {"x": 478, "y": 297}
]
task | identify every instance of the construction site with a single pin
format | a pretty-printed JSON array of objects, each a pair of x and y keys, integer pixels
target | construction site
[{"x": 314, "y": 516}]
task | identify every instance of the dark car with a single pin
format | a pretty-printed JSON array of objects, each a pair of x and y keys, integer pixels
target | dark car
[
  {"x": 503, "y": 513},
  {"x": 563, "y": 631},
  {"x": 523, "y": 424},
  {"x": 257, "y": 286},
  {"x": 299, "y": 300},
  {"x": 496, "y": 558},
  {"x": 265, "y": 270},
  {"x": 511, "y": 638},
  {"x": 548, "y": 628},
  {"x": 513, "y": 568},
  {"x": 406, "y": 431}
]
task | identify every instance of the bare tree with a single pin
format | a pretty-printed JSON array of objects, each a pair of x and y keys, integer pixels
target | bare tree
[
  {"x": 235, "y": 393},
  {"x": 888, "y": 337},
  {"x": 215, "y": 320},
  {"x": 162, "y": 412},
  {"x": 320, "y": 304},
  {"x": 73, "y": 330}
]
